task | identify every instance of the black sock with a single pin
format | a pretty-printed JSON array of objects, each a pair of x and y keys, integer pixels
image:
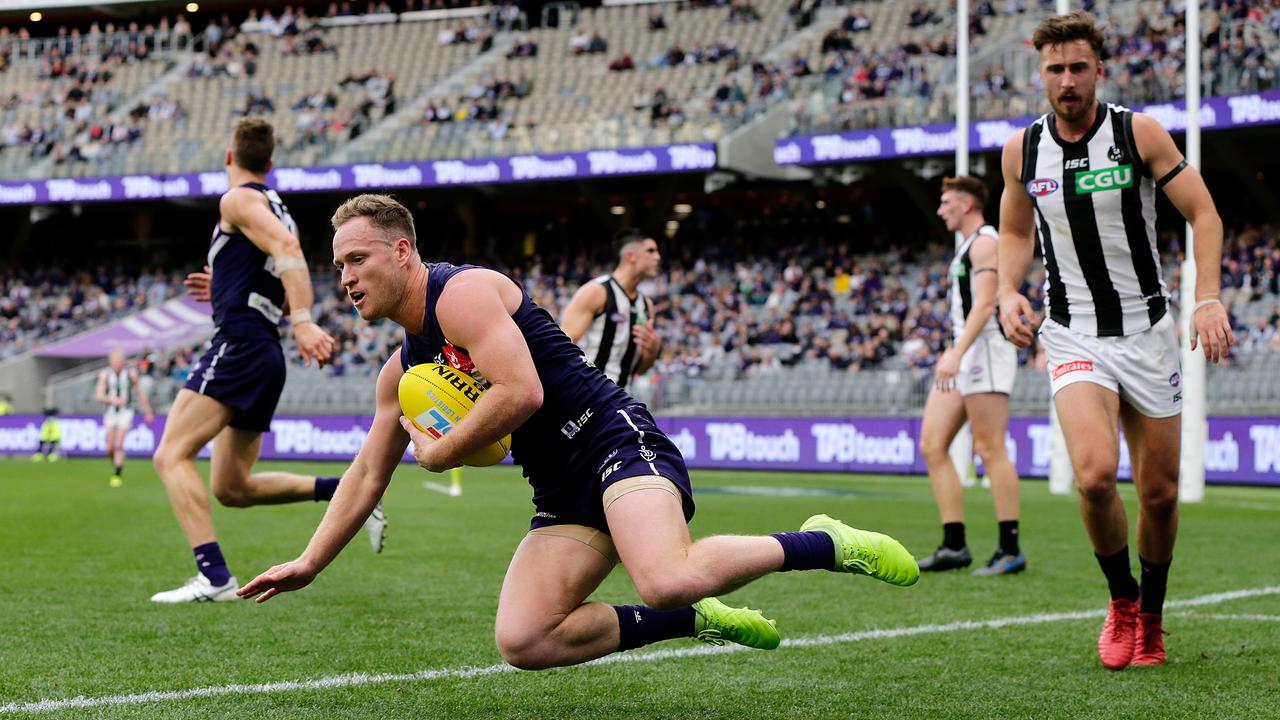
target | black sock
[
  {"x": 809, "y": 550},
  {"x": 119, "y": 469},
  {"x": 1155, "y": 579},
  {"x": 1119, "y": 578},
  {"x": 953, "y": 536},
  {"x": 210, "y": 563},
  {"x": 325, "y": 487},
  {"x": 639, "y": 625},
  {"x": 1009, "y": 537}
]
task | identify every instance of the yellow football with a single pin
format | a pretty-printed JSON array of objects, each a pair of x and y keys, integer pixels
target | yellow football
[{"x": 437, "y": 397}]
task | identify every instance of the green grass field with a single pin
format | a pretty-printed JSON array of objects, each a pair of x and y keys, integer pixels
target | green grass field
[{"x": 78, "y": 561}]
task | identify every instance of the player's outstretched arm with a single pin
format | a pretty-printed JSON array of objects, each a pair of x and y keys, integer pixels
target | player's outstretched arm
[
  {"x": 587, "y": 303},
  {"x": 475, "y": 312},
  {"x": 1185, "y": 188},
  {"x": 1016, "y": 246},
  {"x": 361, "y": 487},
  {"x": 247, "y": 210}
]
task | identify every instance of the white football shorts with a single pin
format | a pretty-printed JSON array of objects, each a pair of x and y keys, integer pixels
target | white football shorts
[
  {"x": 988, "y": 366},
  {"x": 1143, "y": 369},
  {"x": 118, "y": 419}
]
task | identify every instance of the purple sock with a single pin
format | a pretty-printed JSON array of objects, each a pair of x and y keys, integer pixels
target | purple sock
[
  {"x": 639, "y": 625},
  {"x": 812, "y": 550},
  {"x": 325, "y": 487},
  {"x": 210, "y": 563}
]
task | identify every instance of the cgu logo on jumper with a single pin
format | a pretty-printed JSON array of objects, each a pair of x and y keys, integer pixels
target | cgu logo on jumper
[{"x": 1115, "y": 178}]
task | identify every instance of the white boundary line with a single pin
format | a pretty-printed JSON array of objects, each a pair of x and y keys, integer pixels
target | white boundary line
[
  {"x": 357, "y": 679},
  {"x": 442, "y": 489},
  {"x": 1226, "y": 616}
]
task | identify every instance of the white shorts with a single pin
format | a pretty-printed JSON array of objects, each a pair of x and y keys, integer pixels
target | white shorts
[
  {"x": 988, "y": 366},
  {"x": 1143, "y": 369},
  {"x": 118, "y": 419}
]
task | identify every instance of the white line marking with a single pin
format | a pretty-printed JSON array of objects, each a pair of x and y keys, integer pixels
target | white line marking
[
  {"x": 1226, "y": 616},
  {"x": 442, "y": 489},
  {"x": 357, "y": 679}
]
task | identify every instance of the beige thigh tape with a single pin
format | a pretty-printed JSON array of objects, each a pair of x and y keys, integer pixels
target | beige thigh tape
[{"x": 591, "y": 537}]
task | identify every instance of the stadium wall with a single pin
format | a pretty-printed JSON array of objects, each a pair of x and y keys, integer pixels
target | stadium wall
[{"x": 1241, "y": 450}]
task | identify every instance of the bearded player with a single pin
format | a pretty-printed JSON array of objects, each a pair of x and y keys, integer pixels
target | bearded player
[{"x": 1084, "y": 178}]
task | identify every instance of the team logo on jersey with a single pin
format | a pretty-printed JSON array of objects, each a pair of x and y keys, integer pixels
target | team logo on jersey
[
  {"x": 458, "y": 359},
  {"x": 1114, "y": 154},
  {"x": 1042, "y": 186},
  {"x": 1073, "y": 366},
  {"x": 647, "y": 454},
  {"x": 1175, "y": 380},
  {"x": 1076, "y": 164},
  {"x": 1113, "y": 178}
]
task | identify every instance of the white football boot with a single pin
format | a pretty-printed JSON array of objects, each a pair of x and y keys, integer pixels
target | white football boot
[
  {"x": 199, "y": 589},
  {"x": 376, "y": 526}
]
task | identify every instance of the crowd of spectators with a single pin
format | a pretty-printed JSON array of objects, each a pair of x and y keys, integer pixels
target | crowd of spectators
[
  {"x": 1145, "y": 60},
  {"x": 44, "y": 305},
  {"x": 822, "y": 304}
]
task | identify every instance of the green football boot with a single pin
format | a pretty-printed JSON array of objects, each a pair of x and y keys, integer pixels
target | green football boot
[
  {"x": 716, "y": 623},
  {"x": 863, "y": 552}
]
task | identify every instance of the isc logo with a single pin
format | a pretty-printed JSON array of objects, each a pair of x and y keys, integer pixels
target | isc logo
[
  {"x": 1042, "y": 186},
  {"x": 1076, "y": 164}
]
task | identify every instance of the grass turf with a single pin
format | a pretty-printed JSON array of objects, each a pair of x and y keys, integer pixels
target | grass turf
[{"x": 78, "y": 561}]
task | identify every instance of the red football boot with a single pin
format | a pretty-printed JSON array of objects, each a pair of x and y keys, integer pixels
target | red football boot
[
  {"x": 1116, "y": 643},
  {"x": 1150, "y": 641}
]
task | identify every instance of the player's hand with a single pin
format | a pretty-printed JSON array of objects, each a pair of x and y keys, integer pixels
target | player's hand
[
  {"x": 118, "y": 402},
  {"x": 647, "y": 341},
  {"x": 281, "y": 578},
  {"x": 944, "y": 376},
  {"x": 425, "y": 451},
  {"x": 313, "y": 343},
  {"x": 198, "y": 284},
  {"x": 149, "y": 418},
  {"x": 1211, "y": 327},
  {"x": 1016, "y": 318}
]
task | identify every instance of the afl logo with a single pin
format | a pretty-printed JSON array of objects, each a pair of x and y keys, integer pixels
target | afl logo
[{"x": 1042, "y": 186}]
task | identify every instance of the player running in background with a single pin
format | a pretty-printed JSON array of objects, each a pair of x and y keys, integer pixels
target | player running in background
[
  {"x": 255, "y": 265},
  {"x": 118, "y": 389},
  {"x": 973, "y": 380},
  {"x": 607, "y": 484},
  {"x": 610, "y": 319},
  {"x": 1084, "y": 176}
]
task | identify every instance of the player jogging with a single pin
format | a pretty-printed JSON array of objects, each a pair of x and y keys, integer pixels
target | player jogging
[
  {"x": 610, "y": 319},
  {"x": 1084, "y": 176},
  {"x": 255, "y": 264},
  {"x": 607, "y": 484},
  {"x": 117, "y": 389},
  {"x": 973, "y": 380}
]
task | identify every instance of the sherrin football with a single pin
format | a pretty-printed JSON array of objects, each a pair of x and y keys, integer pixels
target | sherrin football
[{"x": 436, "y": 398}]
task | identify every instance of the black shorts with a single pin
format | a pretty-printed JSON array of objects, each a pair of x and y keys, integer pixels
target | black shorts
[
  {"x": 246, "y": 376},
  {"x": 627, "y": 444}
]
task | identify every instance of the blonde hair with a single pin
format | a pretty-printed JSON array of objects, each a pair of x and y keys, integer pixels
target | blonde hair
[{"x": 383, "y": 212}]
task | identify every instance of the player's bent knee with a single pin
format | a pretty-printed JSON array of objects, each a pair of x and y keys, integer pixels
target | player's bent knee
[
  {"x": 932, "y": 448},
  {"x": 523, "y": 649},
  {"x": 1160, "y": 500},
  {"x": 666, "y": 593},
  {"x": 1096, "y": 486},
  {"x": 232, "y": 496},
  {"x": 990, "y": 451}
]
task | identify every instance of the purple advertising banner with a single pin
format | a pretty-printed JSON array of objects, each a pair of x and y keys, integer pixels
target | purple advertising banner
[
  {"x": 374, "y": 176},
  {"x": 1216, "y": 113},
  {"x": 175, "y": 322},
  {"x": 1241, "y": 450}
]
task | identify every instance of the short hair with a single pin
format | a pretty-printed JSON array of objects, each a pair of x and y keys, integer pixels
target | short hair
[
  {"x": 1077, "y": 25},
  {"x": 252, "y": 143},
  {"x": 625, "y": 237},
  {"x": 969, "y": 185},
  {"x": 383, "y": 212}
]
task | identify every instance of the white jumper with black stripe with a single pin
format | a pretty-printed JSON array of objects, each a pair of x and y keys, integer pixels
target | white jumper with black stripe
[
  {"x": 609, "y": 344},
  {"x": 1095, "y": 215}
]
